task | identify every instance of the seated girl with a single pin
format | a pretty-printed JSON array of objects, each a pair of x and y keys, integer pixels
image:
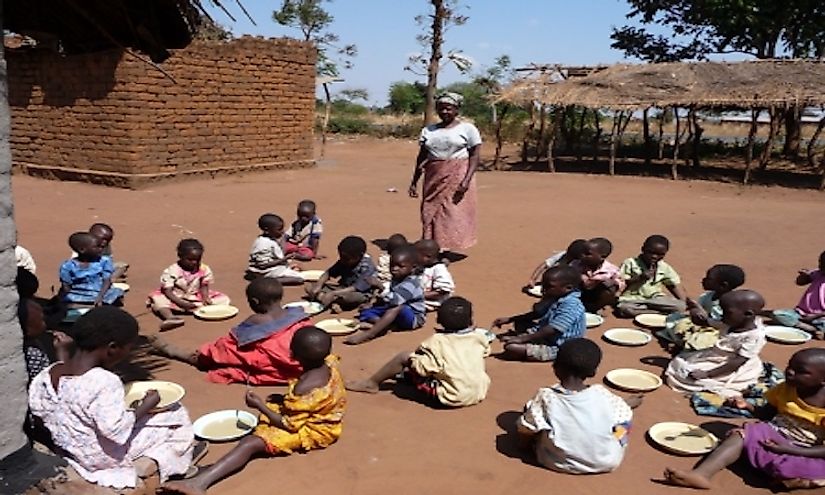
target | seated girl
[
  {"x": 184, "y": 286},
  {"x": 574, "y": 427},
  {"x": 87, "y": 279},
  {"x": 33, "y": 324},
  {"x": 309, "y": 416},
  {"x": 256, "y": 351},
  {"x": 601, "y": 280},
  {"x": 809, "y": 313},
  {"x": 81, "y": 403},
  {"x": 732, "y": 364},
  {"x": 700, "y": 328},
  {"x": 788, "y": 444}
]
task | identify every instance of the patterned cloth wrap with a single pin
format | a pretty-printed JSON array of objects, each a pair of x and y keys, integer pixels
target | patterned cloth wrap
[{"x": 711, "y": 404}]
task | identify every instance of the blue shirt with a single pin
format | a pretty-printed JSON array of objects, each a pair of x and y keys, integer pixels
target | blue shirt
[
  {"x": 354, "y": 277},
  {"x": 85, "y": 282},
  {"x": 566, "y": 316}
]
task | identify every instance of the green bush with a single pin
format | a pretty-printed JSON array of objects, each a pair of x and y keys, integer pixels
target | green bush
[{"x": 347, "y": 124}]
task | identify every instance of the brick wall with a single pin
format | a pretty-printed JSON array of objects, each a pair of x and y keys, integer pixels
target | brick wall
[{"x": 111, "y": 118}]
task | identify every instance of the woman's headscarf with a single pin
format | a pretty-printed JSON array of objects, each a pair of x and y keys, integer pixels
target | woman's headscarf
[{"x": 448, "y": 97}]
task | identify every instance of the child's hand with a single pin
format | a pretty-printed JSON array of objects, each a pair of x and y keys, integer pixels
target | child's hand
[
  {"x": 207, "y": 301},
  {"x": 254, "y": 400},
  {"x": 698, "y": 374},
  {"x": 738, "y": 402},
  {"x": 498, "y": 322},
  {"x": 413, "y": 191},
  {"x": 515, "y": 339},
  {"x": 634, "y": 400},
  {"x": 61, "y": 340},
  {"x": 699, "y": 317},
  {"x": 776, "y": 448},
  {"x": 151, "y": 399}
]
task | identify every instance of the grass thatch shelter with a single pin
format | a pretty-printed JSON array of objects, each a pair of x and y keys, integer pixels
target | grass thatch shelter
[{"x": 770, "y": 85}]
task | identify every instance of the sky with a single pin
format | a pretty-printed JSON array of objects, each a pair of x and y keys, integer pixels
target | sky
[{"x": 571, "y": 32}]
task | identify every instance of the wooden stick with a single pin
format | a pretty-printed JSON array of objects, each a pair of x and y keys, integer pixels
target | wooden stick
[
  {"x": 812, "y": 142},
  {"x": 616, "y": 121},
  {"x": 674, "y": 165},
  {"x": 751, "y": 139},
  {"x": 774, "y": 125}
]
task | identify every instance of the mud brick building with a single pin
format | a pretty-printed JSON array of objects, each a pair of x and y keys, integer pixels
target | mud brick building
[{"x": 109, "y": 118}]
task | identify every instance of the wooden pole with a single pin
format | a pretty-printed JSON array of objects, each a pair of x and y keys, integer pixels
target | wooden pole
[
  {"x": 674, "y": 165},
  {"x": 542, "y": 127},
  {"x": 551, "y": 138},
  {"x": 822, "y": 168},
  {"x": 499, "y": 141},
  {"x": 766, "y": 153},
  {"x": 597, "y": 136},
  {"x": 646, "y": 136},
  {"x": 751, "y": 140},
  {"x": 528, "y": 134},
  {"x": 689, "y": 129},
  {"x": 613, "y": 130},
  {"x": 579, "y": 135},
  {"x": 661, "y": 134},
  {"x": 697, "y": 140},
  {"x": 622, "y": 127},
  {"x": 812, "y": 143}
]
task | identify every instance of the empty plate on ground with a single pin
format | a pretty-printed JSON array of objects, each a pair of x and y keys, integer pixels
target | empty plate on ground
[
  {"x": 633, "y": 380},
  {"x": 534, "y": 291},
  {"x": 121, "y": 285},
  {"x": 338, "y": 326},
  {"x": 593, "y": 320},
  {"x": 216, "y": 312},
  {"x": 682, "y": 438},
  {"x": 627, "y": 336},
  {"x": 786, "y": 335},
  {"x": 651, "y": 321},
  {"x": 170, "y": 393},
  {"x": 222, "y": 426},
  {"x": 311, "y": 275},
  {"x": 309, "y": 307}
]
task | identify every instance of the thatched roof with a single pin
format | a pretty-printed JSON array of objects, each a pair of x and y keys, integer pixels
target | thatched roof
[{"x": 756, "y": 84}]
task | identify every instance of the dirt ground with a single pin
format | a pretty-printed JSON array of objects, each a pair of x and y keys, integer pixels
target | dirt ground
[{"x": 393, "y": 445}]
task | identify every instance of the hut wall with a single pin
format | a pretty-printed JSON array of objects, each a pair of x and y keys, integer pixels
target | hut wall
[{"x": 109, "y": 118}]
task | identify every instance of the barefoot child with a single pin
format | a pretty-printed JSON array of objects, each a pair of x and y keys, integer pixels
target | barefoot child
[
  {"x": 354, "y": 271},
  {"x": 184, "y": 286},
  {"x": 573, "y": 252},
  {"x": 401, "y": 307},
  {"x": 788, "y": 444},
  {"x": 255, "y": 352},
  {"x": 701, "y": 327},
  {"x": 267, "y": 258},
  {"x": 601, "y": 280},
  {"x": 647, "y": 277},
  {"x": 435, "y": 278},
  {"x": 574, "y": 427},
  {"x": 394, "y": 242},
  {"x": 81, "y": 403},
  {"x": 557, "y": 318},
  {"x": 732, "y": 364},
  {"x": 304, "y": 235},
  {"x": 809, "y": 314},
  {"x": 447, "y": 367},
  {"x": 309, "y": 417},
  {"x": 87, "y": 279}
]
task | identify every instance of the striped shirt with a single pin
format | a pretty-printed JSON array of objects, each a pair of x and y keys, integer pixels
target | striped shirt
[
  {"x": 408, "y": 292},
  {"x": 357, "y": 277},
  {"x": 566, "y": 316}
]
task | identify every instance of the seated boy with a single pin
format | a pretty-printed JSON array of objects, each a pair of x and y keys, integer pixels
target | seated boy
[
  {"x": 267, "y": 258},
  {"x": 601, "y": 280},
  {"x": 648, "y": 277},
  {"x": 401, "y": 307},
  {"x": 394, "y": 242},
  {"x": 447, "y": 367},
  {"x": 436, "y": 280},
  {"x": 105, "y": 234},
  {"x": 574, "y": 427},
  {"x": 355, "y": 272},
  {"x": 557, "y": 318},
  {"x": 304, "y": 235}
]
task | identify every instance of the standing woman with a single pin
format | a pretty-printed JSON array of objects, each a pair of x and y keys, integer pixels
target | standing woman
[{"x": 448, "y": 158}]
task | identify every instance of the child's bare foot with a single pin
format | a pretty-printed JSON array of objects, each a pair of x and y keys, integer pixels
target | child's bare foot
[
  {"x": 358, "y": 337},
  {"x": 171, "y": 323},
  {"x": 689, "y": 479},
  {"x": 366, "y": 386},
  {"x": 335, "y": 308},
  {"x": 181, "y": 487}
]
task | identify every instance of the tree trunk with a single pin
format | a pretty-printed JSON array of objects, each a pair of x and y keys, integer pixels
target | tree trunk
[
  {"x": 812, "y": 143},
  {"x": 499, "y": 141},
  {"x": 689, "y": 130},
  {"x": 327, "y": 112},
  {"x": 622, "y": 127},
  {"x": 437, "y": 31},
  {"x": 646, "y": 136},
  {"x": 674, "y": 165},
  {"x": 597, "y": 136},
  {"x": 551, "y": 139},
  {"x": 774, "y": 127},
  {"x": 528, "y": 134},
  {"x": 793, "y": 131},
  {"x": 697, "y": 140},
  {"x": 751, "y": 140},
  {"x": 617, "y": 119},
  {"x": 662, "y": 134}
]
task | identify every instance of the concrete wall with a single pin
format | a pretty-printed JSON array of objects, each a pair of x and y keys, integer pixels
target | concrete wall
[{"x": 233, "y": 107}]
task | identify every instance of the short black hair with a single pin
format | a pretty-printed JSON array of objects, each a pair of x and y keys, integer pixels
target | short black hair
[
  {"x": 396, "y": 241},
  {"x": 104, "y": 325},
  {"x": 310, "y": 346},
  {"x": 732, "y": 274},
  {"x": 579, "y": 357},
  {"x": 429, "y": 246},
  {"x": 352, "y": 245},
  {"x": 576, "y": 248},
  {"x": 81, "y": 240},
  {"x": 270, "y": 220},
  {"x": 187, "y": 245},
  {"x": 564, "y": 273},
  {"x": 26, "y": 282},
  {"x": 455, "y": 313},
  {"x": 657, "y": 240},
  {"x": 603, "y": 245},
  {"x": 404, "y": 252},
  {"x": 266, "y": 290},
  {"x": 306, "y": 203},
  {"x": 101, "y": 226}
]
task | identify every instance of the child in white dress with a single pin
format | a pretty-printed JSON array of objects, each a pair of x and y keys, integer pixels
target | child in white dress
[{"x": 436, "y": 279}]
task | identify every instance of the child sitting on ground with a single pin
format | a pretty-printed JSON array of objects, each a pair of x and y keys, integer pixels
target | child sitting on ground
[
  {"x": 401, "y": 307},
  {"x": 87, "y": 279},
  {"x": 394, "y": 242},
  {"x": 447, "y": 367},
  {"x": 557, "y": 318},
  {"x": 355, "y": 273},
  {"x": 33, "y": 324},
  {"x": 787, "y": 444},
  {"x": 105, "y": 234},
  {"x": 24, "y": 259},
  {"x": 81, "y": 403},
  {"x": 601, "y": 280},
  {"x": 573, "y": 252},
  {"x": 732, "y": 364},
  {"x": 304, "y": 235},
  {"x": 647, "y": 276},
  {"x": 267, "y": 258},
  {"x": 435, "y": 278},
  {"x": 309, "y": 416},
  {"x": 256, "y": 351},
  {"x": 701, "y": 327},
  {"x": 184, "y": 286},
  {"x": 574, "y": 427},
  {"x": 809, "y": 314}
]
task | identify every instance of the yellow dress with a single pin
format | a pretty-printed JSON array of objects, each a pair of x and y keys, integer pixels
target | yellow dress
[{"x": 313, "y": 420}]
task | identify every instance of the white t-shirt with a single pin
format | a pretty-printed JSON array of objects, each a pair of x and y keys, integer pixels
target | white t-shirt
[
  {"x": 264, "y": 250},
  {"x": 446, "y": 143},
  {"x": 438, "y": 278}
]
